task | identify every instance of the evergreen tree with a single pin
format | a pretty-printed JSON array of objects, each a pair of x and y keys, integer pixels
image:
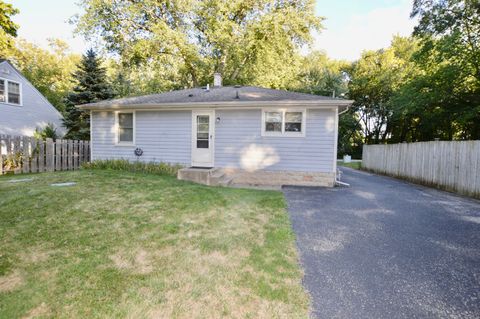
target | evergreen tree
[{"x": 91, "y": 86}]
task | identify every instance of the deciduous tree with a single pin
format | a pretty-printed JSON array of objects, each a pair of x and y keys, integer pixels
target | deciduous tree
[
  {"x": 254, "y": 42},
  {"x": 8, "y": 29},
  {"x": 49, "y": 70}
]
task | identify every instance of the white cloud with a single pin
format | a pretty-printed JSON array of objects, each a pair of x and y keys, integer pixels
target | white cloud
[{"x": 371, "y": 31}]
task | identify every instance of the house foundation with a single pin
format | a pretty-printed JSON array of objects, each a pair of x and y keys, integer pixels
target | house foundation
[{"x": 261, "y": 178}]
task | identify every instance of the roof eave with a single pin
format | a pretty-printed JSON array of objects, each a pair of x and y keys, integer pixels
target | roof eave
[{"x": 230, "y": 104}]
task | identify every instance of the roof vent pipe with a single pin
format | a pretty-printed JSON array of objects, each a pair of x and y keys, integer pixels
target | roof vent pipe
[
  {"x": 208, "y": 87},
  {"x": 217, "y": 79}
]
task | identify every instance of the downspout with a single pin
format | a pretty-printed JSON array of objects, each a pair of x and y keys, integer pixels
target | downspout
[
  {"x": 346, "y": 109},
  {"x": 338, "y": 173}
]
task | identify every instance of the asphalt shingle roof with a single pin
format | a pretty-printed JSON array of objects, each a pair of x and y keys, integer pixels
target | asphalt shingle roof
[{"x": 215, "y": 94}]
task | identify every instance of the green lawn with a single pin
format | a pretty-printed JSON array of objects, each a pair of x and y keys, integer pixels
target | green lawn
[
  {"x": 122, "y": 244},
  {"x": 354, "y": 165}
]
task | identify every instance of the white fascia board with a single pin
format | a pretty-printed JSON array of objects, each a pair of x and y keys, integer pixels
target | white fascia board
[{"x": 220, "y": 105}]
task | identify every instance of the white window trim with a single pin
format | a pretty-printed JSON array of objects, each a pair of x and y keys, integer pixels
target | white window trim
[
  {"x": 116, "y": 127},
  {"x": 6, "y": 92},
  {"x": 283, "y": 133}
]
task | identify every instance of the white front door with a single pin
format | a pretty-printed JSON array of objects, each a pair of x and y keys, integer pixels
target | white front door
[{"x": 203, "y": 128}]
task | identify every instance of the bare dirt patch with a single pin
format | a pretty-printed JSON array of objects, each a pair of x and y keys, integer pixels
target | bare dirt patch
[
  {"x": 39, "y": 311},
  {"x": 11, "y": 282},
  {"x": 35, "y": 255},
  {"x": 140, "y": 261}
]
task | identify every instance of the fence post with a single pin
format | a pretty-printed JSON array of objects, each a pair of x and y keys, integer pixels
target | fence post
[
  {"x": 64, "y": 155},
  {"x": 49, "y": 157},
  {"x": 8, "y": 144},
  {"x": 81, "y": 153},
  {"x": 34, "y": 160},
  {"x": 70, "y": 155},
  {"x": 87, "y": 151},
  {"x": 58, "y": 155},
  {"x": 2, "y": 137},
  {"x": 41, "y": 156},
  {"x": 75, "y": 154},
  {"x": 26, "y": 155}
]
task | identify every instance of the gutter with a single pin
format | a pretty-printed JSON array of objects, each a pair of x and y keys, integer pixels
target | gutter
[{"x": 232, "y": 104}]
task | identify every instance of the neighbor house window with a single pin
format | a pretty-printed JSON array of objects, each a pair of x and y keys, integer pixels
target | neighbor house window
[
  {"x": 13, "y": 93},
  {"x": 10, "y": 92},
  {"x": 284, "y": 122},
  {"x": 2, "y": 90},
  {"x": 125, "y": 127}
]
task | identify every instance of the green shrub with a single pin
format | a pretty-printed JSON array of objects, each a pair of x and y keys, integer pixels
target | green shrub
[
  {"x": 142, "y": 167},
  {"x": 48, "y": 131}
]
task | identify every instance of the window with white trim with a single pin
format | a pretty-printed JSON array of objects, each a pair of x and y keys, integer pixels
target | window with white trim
[
  {"x": 125, "y": 127},
  {"x": 284, "y": 122},
  {"x": 13, "y": 93},
  {"x": 10, "y": 92}
]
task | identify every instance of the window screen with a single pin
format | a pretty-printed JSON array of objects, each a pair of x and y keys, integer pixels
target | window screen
[
  {"x": 13, "y": 93},
  {"x": 273, "y": 121},
  {"x": 2, "y": 90},
  {"x": 125, "y": 127},
  {"x": 293, "y": 121}
]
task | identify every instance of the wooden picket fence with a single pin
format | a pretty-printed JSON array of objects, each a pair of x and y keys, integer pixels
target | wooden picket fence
[{"x": 24, "y": 154}]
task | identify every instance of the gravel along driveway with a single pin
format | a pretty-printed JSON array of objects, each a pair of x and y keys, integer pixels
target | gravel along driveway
[{"x": 385, "y": 248}]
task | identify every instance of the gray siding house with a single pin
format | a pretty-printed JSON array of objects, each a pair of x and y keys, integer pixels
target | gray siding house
[
  {"x": 22, "y": 107},
  {"x": 255, "y": 135}
]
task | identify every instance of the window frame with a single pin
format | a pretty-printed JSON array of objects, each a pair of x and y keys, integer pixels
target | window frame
[
  {"x": 284, "y": 133},
  {"x": 117, "y": 129},
  {"x": 20, "y": 89}
]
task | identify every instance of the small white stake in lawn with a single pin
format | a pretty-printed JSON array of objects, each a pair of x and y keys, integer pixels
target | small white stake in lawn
[{"x": 63, "y": 184}]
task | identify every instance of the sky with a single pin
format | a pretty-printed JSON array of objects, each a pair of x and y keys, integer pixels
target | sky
[{"x": 351, "y": 26}]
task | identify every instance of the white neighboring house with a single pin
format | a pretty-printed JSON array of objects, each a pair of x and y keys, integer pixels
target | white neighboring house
[{"x": 22, "y": 107}]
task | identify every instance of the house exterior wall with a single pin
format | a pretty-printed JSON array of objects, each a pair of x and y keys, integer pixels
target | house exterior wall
[
  {"x": 166, "y": 136},
  {"x": 239, "y": 143},
  {"x": 34, "y": 112}
]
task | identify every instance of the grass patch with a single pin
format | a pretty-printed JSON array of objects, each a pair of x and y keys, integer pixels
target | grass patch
[
  {"x": 136, "y": 167},
  {"x": 354, "y": 165},
  {"x": 122, "y": 244}
]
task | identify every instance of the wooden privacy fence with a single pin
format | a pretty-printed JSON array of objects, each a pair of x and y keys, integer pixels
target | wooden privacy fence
[
  {"x": 453, "y": 165},
  {"x": 23, "y": 154}
]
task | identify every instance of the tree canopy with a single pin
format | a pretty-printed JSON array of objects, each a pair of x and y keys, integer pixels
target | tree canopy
[
  {"x": 255, "y": 42},
  {"x": 426, "y": 86},
  {"x": 49, "y": 70},
  {"x": 8, "y": 29},
  {"x": 421, "y": 87}
]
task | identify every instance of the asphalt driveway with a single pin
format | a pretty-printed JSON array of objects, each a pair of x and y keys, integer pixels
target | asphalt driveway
[{"x": 385, "y": 248}]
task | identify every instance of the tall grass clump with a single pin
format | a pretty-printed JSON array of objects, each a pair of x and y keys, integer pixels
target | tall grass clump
[{"x": 141, "y": 167}]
